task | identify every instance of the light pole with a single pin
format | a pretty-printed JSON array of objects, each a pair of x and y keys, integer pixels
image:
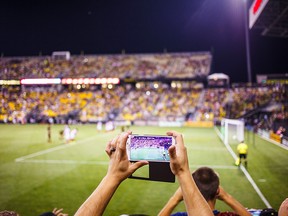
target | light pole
[{"x": 247, "y": 41}]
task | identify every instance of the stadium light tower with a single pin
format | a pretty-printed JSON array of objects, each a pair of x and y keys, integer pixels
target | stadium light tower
[{"x": 247, "y": 41}]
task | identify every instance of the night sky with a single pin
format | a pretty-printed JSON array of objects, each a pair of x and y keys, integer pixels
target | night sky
[{"x": 140, "y": 26}]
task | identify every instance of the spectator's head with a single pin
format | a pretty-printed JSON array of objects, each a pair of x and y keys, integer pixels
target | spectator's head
[
  {"x": 8, "y": 213},
  {"x": 207, "y": 180},
  {"x": 283, "y": 209}
]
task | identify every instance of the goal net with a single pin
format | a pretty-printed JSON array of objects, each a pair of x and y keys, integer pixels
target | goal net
[{"x": 232, "y": 131}]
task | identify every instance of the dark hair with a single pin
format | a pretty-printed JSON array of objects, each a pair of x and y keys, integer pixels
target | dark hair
[{"x": 207, "y": 182}]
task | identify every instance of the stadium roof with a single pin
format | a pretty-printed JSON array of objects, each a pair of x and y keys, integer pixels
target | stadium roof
[{"x": 273, "y": 20}]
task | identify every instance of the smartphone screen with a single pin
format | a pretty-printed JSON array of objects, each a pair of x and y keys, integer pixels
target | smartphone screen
[{"x": 149, "y": 147}]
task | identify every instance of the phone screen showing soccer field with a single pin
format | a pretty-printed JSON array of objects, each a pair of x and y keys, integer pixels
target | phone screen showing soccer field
[{"x": 151, "y": 148}]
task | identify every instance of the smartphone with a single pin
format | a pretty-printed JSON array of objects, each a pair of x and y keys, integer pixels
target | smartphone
[{"x": 149, "y": 147}]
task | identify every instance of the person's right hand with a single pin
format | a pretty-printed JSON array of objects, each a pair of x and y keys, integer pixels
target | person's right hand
[
  {"x": 222, "y": 194},
  {"x": 178, "y": 155},
  {"x": 120, "y": 167}
]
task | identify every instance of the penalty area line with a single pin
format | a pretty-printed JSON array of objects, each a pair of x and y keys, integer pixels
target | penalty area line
[
  {"x": 248, "y": 176},
  {"x": 46, "y": 151}
]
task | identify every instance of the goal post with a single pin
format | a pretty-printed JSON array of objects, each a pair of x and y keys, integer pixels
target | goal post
[{"x": 232, "y": 131}]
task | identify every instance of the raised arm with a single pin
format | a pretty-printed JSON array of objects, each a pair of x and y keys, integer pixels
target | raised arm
[
  {"x": 175, "y": 199},
  {"x": 119, "y": 169},
  {"x": 232, "y": 202},
  {"x": 194, "y": 202}
]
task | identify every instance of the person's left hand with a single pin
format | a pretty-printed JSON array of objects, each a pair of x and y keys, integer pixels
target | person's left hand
[
  {"x": 120, "y": 167},
  {"x": 58, "y": 212}
]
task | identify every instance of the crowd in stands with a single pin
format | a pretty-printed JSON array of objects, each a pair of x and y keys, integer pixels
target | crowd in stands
[
  {"x": 124, "y": 102},
  {"x": 247, "y": 99},
  {"x": 140, "y": 66},
  {"x": 129, "y": 103}
]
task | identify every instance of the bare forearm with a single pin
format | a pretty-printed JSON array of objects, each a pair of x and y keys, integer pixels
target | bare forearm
[
  {"x": 169, "y": 207},
  {"x": 99, "y": 199},
  {"x": 194, "y": 201},
  {"x": 236, "y": 206}
]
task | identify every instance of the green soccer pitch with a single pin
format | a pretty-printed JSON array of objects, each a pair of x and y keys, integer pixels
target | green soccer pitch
[{"x": 37, "y": 176}]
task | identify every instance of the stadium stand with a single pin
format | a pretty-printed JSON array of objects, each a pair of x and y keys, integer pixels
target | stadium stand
[
  {"x": 153, "y": 88},
  {"x": 141, "y": 66}
]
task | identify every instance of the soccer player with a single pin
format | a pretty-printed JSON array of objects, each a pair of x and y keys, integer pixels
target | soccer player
[
  {"x": 49, "y": 133},
  {"x": 66, "y": 134},
  {"x": 242, "y": 149},
  {"x": 73, "y": 134}
]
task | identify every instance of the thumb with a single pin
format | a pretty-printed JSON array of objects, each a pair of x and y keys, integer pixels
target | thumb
[
  {"x": 137, "y": 165},
  {"x": 172, "y": 151}
]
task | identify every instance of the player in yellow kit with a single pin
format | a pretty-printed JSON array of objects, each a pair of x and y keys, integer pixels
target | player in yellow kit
[{"x": 242, "y": 149}]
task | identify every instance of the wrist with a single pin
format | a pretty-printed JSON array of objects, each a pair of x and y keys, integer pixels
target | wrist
[
  {"x": 111, "y": 180},
  {"x": 226, "y": 198},
  {"x": 184, "y": 174}
]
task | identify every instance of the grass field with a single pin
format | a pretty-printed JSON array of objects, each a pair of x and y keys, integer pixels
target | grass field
[{"x": 36, "y": 176}]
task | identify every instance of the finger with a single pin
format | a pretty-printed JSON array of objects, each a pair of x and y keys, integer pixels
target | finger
[
  {"x": 58, "y": 211},
  {"x": 172, "y": 152},
  {"x": 137, "y": 165},
  {"x": 108, "y": 147},
  {"x": 114, "y": 141},
  {"x": 178, "y": 137},
  {"x": 122, "y": 143},
  {"x": 54, "y": 210}
]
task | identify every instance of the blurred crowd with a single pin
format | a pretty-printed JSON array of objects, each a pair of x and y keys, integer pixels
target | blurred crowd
[
  {"x": 140, "y": 66},
  {"x": 159, "y": 99},
  {"x": 129, "y": 103}
]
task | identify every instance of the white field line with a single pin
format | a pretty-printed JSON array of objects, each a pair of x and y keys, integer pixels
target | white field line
[
  {"x": 107, "y": 162},
  {"x": 65, "y": 162},
  {"x": 252, "y": 182},
  {"x": 274, "y": 142},
  {"x": 64, "y": 146}
]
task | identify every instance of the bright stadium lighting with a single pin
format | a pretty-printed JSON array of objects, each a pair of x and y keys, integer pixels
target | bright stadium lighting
[
  {"x": 78, "y": 86},
  {"x": 69, "y": 81},
  {"x": 148, "y": 93},
  {"x": 179, "y": 85},
  {"x": 115, "y": 81},
  {"x": 9, "y": 82},
  {"x": 156, "y": 85},
  {"x": 92, "y": 81},
  {"x": 44, "y": 81},
  {"x": 103, "y": 80},
  {"x": 80, "y": 81},
  {"x": 138, "y": 85},
  {"x": 98, "y": 81},
  {"x": 75, "y": 81},
  {"x": 86, "y": 81},
  {"x": 110, "y": 86},
  {"x": 173, "y": 85}
]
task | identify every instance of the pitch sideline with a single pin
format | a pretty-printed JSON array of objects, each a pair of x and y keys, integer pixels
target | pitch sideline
[{"x": 248, "y": 176}]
